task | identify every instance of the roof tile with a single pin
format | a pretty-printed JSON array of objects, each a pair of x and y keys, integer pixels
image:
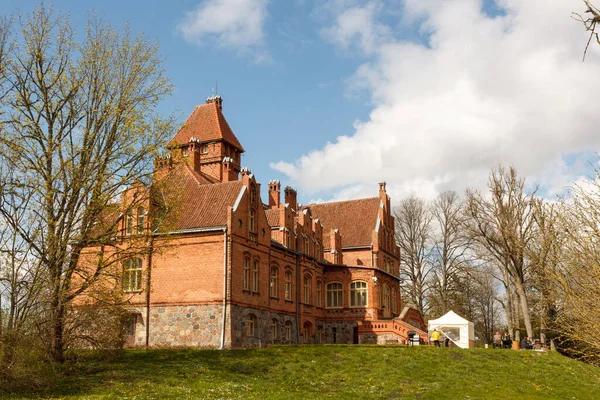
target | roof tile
[
  {"x": 199, "y": 205},
  {"x": 273, "y": 217},
  {"x": 355, "y": 219},
  {"x": 206, "y": 123}
]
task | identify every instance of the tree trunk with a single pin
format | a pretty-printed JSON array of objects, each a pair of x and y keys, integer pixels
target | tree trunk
[
  {"x": 57, "y": 327},
  {"x": 524, "y": 308}
]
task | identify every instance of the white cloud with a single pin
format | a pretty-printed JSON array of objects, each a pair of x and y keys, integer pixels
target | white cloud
[
  {"x": 478, "y": 92},
  {"x": 356, "y": 26},
  {"x": 233, "y": 24}
]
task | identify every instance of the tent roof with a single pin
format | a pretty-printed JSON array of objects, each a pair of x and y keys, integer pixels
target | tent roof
[{"x": 450, "y": 318}]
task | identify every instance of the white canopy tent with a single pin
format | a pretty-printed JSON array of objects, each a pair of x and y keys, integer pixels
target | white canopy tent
[{"x": 459, "y": 330}]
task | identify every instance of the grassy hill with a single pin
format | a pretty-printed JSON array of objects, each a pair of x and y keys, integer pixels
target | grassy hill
[{"x": 330, "y": 372}]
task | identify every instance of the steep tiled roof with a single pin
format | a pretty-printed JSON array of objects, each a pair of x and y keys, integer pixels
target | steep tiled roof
[
  {"x": 273, "y": 217},
  {"x": 198, "y": 205},
  {"x": 355, "y": 219},
  {"x": 206, "y": 123}
]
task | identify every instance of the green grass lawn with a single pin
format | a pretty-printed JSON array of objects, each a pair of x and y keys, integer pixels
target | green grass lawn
[{"x": 334, "y": 371}]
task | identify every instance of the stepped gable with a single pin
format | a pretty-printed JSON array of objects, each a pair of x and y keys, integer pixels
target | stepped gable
[
  {"x": 199, "y": 202},
  {"x": 207, "y": 124},
  {"x": 273, "y": 217},
  {"x": 355, "y": 219}
]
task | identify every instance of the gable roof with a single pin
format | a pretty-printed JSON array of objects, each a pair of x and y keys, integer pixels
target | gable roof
[
  {"x": 207, "y": 124},
  {"x": 355, "y": 219},
  {"x": 197, "y": 204}
]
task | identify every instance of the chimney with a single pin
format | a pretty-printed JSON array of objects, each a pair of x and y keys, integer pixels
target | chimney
[
  {"x": 274, "y": 193},
  {"x": 334, "y": 255},
  {"x": 217, "y": 100},
  {"x": 229, "y": 172},
  {"x": 290, "y": 197},
  {"x": 193, "y": 157},
  {"x": 382, "y": 187}
]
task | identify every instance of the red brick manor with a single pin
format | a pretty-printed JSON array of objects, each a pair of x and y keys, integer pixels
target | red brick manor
[{"x": 239, "y": 272}]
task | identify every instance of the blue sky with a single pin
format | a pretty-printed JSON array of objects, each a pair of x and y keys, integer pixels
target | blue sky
[{"x": 333, "y": 96}]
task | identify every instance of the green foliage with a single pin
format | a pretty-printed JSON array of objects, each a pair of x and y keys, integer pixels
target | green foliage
[{"x": 330, "y": 371}]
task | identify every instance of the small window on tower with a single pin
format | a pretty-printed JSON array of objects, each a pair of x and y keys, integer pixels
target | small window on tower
[
  {"x": 184, "y": 151},
  {"x": 205, "y": 149}
]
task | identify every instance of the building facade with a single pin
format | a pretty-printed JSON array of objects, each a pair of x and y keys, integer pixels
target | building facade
[{"x": 232, "y": 271}]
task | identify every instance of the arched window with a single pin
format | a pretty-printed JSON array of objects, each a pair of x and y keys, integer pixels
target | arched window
[
  {"x": 288, "y": 330},
  {"x": 307, "y": 331},
  {"x": 358, "y": 294},
  {"x": 334, "y": 295},
  {"x": 246, "y": 276},
  {"x": 132, "y": 275},
  {"x": 394, "y": 302},
  {"x": 274, "y": 284},
  {"x": 288, "y": 285},
  {"x": 319, "y": 294},
  {"x": 250, "y": 325},
  {"x": 255, "y": 276},
  {"x": 307, "y": 286},
  {"x": 274, "y": 325}
]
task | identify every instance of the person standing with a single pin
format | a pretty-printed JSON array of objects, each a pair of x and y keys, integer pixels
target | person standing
[
  {"x": 507, "y": 341},
  {"x": 497, "y": 340},
  {"x": 435, "y": 336}
]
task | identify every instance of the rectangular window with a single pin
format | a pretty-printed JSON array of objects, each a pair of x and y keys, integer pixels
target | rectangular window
[
  {"x": 288, "y": 285},
  {"x": 250, "y": 325},
  {"x": 358, "y": 294},
  {"x": 255, "y": 276},
  {"x": 132, "y": 275},
  {"x": 129, "y": 222},
  {"x": 205, "y": 149},
  {"x": 334, "y": 295},
  {"x": 307, "y": 289},
  {"x": 246, "y": 276},
  {"x": 274, "y": 282},
  {"x": 274, "y": 329},
  {"x": 252, "y": 220},
  {"x": 141, "y": 219},
  {"x": 319, "y": 293},
  {"x": 288, "y": 330}
]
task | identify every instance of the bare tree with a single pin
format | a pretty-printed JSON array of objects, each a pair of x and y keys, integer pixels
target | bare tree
[
  {"x": 413, "y": 236},
  {"x": 589, "y": 22},
  {"x": 503, "y": 225},
  {"x": 79, "y": 125},
  {"x": 576, "y": 277},
  {"x": 450, "y": 250}
]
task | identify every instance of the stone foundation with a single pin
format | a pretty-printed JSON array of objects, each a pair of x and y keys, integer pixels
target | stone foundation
[
  {"x": 238, "y": 319},
  {"x": 340, "y": 332},
  {"x": 196, "y": 326}
]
